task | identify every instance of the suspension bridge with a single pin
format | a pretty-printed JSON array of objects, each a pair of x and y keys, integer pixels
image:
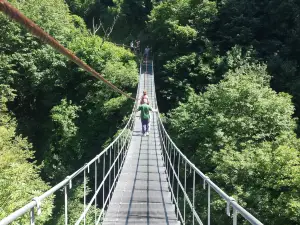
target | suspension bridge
[{"x": 137, "y": 179}]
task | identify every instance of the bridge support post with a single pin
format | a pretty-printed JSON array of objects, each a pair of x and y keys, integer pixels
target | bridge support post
[
  {"x": 178, "y": 164},
  {"x": 103, "y": 187},
  {"x": 96, "y": 179},
  {"x": 208, "y": 204},
  {"x": 66, "y": 205},
  {"x": 32, "y": 219},
  {"x": 234, "y": 216},
  {"x": 84, "y": 193},
  {"x": 109, "y": 177},
  {"x": 184, "y": 200},
  {"x": 194, "y": 197}
]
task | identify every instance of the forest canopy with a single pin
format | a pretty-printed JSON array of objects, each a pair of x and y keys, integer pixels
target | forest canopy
[
  {"x": 227, "y": 79},
  {"x": 228, "y": 74},
  {"x": 55, "y": 116}
]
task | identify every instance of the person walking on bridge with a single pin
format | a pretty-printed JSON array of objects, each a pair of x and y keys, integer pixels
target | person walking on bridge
[
  {"x": 131, "y": 46},
  {"x": 145, "y": 117},
  {"x": 137, "y": 42},
  {"x": 146, "y": 52},
  {"x": 144, "y": 98}
]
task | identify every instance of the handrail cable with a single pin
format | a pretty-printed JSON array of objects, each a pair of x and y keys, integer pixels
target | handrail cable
[{"x": 33, "y": 28}]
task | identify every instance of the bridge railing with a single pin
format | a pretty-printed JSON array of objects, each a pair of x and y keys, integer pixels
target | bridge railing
[
  {"x": 185, "y": 204},
  {"x": 111, "y": 159},
  {"x": 106, "y": 166}
]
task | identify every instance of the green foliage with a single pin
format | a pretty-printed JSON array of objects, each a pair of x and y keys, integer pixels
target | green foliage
[
  {"x": 75, "y": 207},
  {"x": 64, "y": 148},
  {"x": 116, "y": 64},
  {"x": 223, "y": 114},
  {"x": 208, "y": 58},
  {"x": 264, "y": 177},
  {"x": 240, "y": 131},
  {"x": 19, "y": 179},
  {"x": 80, "y": 7},
  {"x": 241, "y": 108},
  {"x": 52, "y": 15},
  {"x": 125, "y": 18},
  {"x": 170, "y": 31},
  {"x": 63, "y": 115},
  {"x": 184, "y": 58},
  {"x": 272, "y": 32},
  {"x": 64, "y": 112},
  {"x": 101, "y": 109}
]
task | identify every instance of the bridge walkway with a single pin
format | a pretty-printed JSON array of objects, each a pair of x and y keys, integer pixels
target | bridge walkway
[{"x": 142, "y": 194}]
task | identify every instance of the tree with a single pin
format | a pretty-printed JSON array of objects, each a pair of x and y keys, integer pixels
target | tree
[
  {"x": 273, "y": 33},
  {"x": 20, "y": 181},
  {"x": 65, "y": 113},
  {"x": 264, "y": 178},
  {"x": 242, "y": 108},
  {"x": 240, "y": 133},
  {"x": 42, "y": 77},
  {"x": 65, "y": 149},
  {"x": 80, "y": 7},
  {"x": 184, "y": 57},
  {"x": 75, "y": 207}
]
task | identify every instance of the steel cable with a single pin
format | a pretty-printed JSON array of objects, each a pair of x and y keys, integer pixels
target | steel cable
[{"x": 33, "y": 28}]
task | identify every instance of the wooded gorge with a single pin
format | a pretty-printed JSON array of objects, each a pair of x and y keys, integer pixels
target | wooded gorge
[{"x": 227, "y": 77}]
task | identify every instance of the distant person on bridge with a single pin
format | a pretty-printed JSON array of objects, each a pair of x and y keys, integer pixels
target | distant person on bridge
[
  {"x": 137, "y": 42},
  {"x": 144, "y": 98},
  {"x": 131, "y": 46},
  {"x": 145, "y": 117},
  {"x": 146, "y": 52}
]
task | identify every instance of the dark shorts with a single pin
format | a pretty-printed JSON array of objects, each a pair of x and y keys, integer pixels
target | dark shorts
[{"x": 145, "y": 121}]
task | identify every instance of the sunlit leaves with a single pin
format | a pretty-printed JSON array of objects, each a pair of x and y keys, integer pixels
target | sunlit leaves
[
  {"x": 19, "y": 179},
  {"x": 267, "y": 177},
  {"x": 241, "y": 108}
]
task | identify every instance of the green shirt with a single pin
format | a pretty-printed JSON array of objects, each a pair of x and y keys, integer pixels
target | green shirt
[{"x": 145, "y": 111}]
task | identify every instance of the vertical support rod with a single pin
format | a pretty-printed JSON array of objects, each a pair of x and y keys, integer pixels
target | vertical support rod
[
  {"x": 103, "y": 187},
  {"x": 114, "y": 163},
  {"x": 234, "y": 216},
  {"x": 84, "y": 194},
  {"x": 170, "y": 158},
  {"x": 109, "y": 175},
  {"x": 178, "y": 164},
  {"x": 169, "y": 173},
  {"x": 96, "y": 179},
  {"x": 167, "y": 160},
  {"x": 66, "y": 205},
  {"x": 118, "y": 155},
  {"x": 194, "y": 197},
  {"x": 174, "y": 156},
  {"x": 32, "y": 219},
  {"x": 184, "y": 200},
  {"x": 120, "y": 150},
  {"x": 208, "y": 204},
  {"x": 123, "y": 149}
]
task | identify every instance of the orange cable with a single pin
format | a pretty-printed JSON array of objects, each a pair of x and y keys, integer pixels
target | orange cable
[{"x": 33, "y": 28}]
